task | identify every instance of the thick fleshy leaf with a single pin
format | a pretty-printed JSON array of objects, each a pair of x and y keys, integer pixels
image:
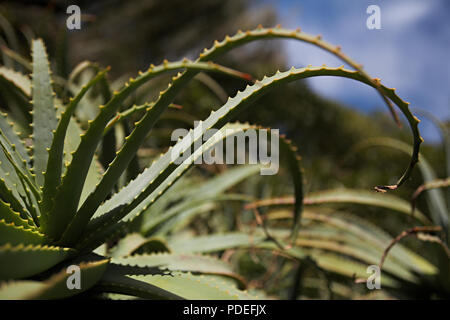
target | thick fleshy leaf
[
  {"x": 348, "y": 196},
  {"x": 10, "y": 216},
  {"x": 54, "y": 287},
  {"x": 21, "y": 261},
  {"x": 44, "y": 111},
  {"x": 134, "y": 242},
  {"x": 16, "y": 235},
  {"x": 182, "y": 262},
  {"x": 56, "y": 154},
  {"x": 173, "y": 286},
  {"x": 6, "y": 125}
]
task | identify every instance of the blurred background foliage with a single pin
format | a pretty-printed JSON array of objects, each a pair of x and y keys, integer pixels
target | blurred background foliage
[{"x": 129, "y": 35}]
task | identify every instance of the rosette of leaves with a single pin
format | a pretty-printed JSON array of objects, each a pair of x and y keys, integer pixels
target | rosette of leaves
[{"x": 58, "y": 205}]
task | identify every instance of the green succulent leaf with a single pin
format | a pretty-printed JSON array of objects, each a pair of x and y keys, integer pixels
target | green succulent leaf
[
  {"x": 6, "y": 126},
  {"x": 10, "y": 216},
  {"x": 16, "y": 235},
  {"x": 134, "y": 242},
  {"x": 54, "y": 287},
  {"x": 366, "y": 232},
  {"x": 44, "y": 111},
  {"x": 182, "y": 262},
  {"x": 16, "y": 90},
  {"x": 29, "y": 260},
  {"x": 121, "y": 284},
  {"x": 12, "y": 198},
  {"x": 174, "y": 286},
  {"x": 56, "y": 154},
  {"x": 17, "y": 79},
  {"x": 197, "y": 200},
  {"x": 214, "y": 242},
  {"x": 349, "y": 196},
  {"x": 23, "y": 177}
]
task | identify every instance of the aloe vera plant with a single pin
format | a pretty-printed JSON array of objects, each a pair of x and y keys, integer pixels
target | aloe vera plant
[{"x": 59, "y": 207}]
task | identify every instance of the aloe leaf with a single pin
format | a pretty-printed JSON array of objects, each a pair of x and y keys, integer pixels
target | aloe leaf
[
  {"x": 329, "y": 261},
  {"x": 182, "y": 262},
  {"x": 218, "y": 91},
  {"x": 341, "y": 265},
  {"x": 363, "y": 197},
  {"x": 12, "y": 198},
  {"x": 70, "y": 145},
  {"x": 180, "y": 216},
  {"x": 113, "y": 282},
  {"x": 81, "y": 67},
  {"x": 152, "y": 245},
  {"x": 6, "y": 125},
  {"x": 29, "y": 260},
  {"x": 12, "y": 184},
  {"x": 349, "y": 196},
  {"x": 16, "y": 290},
  {"x": 121, "y": 116},
  {"x": 10, "y": 216},
  {"x": 200, "y": 199},
  {"x": 349, "y": 245},
  {"x": 135, "y": 243},
  {"x": 55, "y": 160},
  {"x": 13, "y": 156},
  {"x": 23, "y": 175},
  {"x": 13, "y": 55},
  {"x": 54, "y": 287},
  {"x": 72, "y": 183},
  {"x": 127, "y": 245},
  {"x": 213, "y": 243},
  {"x": 16, "y": 90},
  {"x": 202, "y": 287},
  {"x": 109, "y": 141},
  {"x": 354, "y": 247},
  {"x": 360, "y": 253},
  {"x": 373, "y": 236},
  {"x": 44, "y": 111},
  {"x": 15, "y": 235},
  {"x": 17, "y": 79},
  {"x": 293, "y": 162}
]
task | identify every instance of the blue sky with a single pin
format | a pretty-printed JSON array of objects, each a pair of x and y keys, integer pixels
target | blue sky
[{"x": 410, "y": 52}]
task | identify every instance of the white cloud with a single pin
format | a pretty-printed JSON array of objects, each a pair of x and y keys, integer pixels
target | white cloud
[{"x": 400, "y": 14}]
